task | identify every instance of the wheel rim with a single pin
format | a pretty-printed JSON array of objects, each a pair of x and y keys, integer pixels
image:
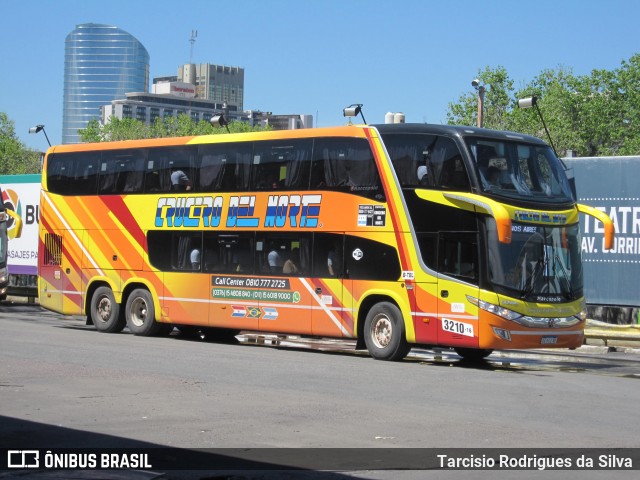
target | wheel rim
[
  {"x": 138, "y": 313},
  {"x": 103, "y": 309},
  {"x": 381, "y": 331}
]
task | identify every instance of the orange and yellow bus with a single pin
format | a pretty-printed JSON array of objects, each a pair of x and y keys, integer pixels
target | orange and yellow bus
[{"x": 395, "y": 235}]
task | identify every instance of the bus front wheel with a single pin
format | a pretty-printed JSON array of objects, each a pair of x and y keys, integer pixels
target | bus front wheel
[
  {"x": 384, "y": 333},
  {"x": 141, "y": 314},
  {"x": 105, "y": 311}
]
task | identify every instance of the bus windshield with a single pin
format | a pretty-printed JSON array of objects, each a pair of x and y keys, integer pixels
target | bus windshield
[
  {"x": 541, "y": 264},
  {"x": 519, "y": 170}
]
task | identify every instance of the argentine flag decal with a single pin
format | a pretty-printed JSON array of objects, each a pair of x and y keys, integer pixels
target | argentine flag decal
[{"x": 270, "y": 313}]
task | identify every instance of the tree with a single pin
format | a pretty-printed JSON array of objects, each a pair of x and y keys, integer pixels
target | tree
[
  {"x": 131, "y": 129},
  {"x": 595, "y": 114},
  {"x": 15, "y": 157}
]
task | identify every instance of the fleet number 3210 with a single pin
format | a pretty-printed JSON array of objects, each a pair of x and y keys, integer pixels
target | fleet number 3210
[{"x": 460, "y": 328}]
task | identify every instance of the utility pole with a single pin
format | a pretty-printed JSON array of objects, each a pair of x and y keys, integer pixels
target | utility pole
[{"x": 480, "y": 89}]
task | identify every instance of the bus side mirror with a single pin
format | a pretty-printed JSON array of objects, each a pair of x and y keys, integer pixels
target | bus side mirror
[{"x": 609, "y": 229}]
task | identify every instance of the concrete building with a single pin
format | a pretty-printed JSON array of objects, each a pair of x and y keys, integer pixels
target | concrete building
[
  {"x": 102, "y": 63},
  {"x": 170, "y": 99},
  {"x": 146, "y": 107},
  {"x": 218, "y": 83}
]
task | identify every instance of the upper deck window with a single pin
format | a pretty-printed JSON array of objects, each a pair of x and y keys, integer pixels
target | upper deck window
[
  {"x": 345, "y": 164},
  {"x": 324, "y": 163},
  {"x": 427, "y": 161},
  {"x": 519, "y": 170}
]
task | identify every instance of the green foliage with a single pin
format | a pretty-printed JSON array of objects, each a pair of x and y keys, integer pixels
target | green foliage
[
  {"x": 180, "y": 126},
  {"x": 15, "y": 157},
  {"x": 593, "y": 115}
]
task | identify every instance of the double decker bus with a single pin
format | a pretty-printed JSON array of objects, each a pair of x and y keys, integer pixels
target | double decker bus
[{"x": 395, "y": 235}]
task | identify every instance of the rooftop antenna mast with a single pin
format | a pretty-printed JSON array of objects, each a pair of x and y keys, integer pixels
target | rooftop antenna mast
[{"x": 192, "y": 40}]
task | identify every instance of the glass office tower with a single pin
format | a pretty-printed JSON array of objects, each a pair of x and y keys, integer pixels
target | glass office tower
[{"x": 101, "y": 64}]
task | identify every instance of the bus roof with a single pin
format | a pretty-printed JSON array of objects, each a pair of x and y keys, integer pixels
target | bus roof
[
  {"x": 455, "y": 130},
  {"x": 339, "y": 131}
]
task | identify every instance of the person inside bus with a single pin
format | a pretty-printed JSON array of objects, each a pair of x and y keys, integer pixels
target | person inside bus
[
  {"x": 334, "y": 260},
  {"x": 195, "y": 258},
  {"x": 291, "y": 265},
  {"x": 423, "y": 175},
  {"x": 274, "y": 259},
  {"x": 180, "y": 181},
  {"x": 493, "y": 176}
]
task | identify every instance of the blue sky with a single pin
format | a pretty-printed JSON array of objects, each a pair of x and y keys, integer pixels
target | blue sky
[{"x": 316, "y": 57}]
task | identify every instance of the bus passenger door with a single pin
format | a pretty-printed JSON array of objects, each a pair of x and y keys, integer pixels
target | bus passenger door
[{"x": 458, "y": 278}]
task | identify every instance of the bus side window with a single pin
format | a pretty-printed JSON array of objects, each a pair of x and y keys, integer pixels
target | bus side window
[
  {"x": 411, "y": 158},
  {"x": 283, "y": 253},
  {"x": 328, "y": 255},
  {"x": 282, "y": 165},
  {"x": 224, "y": 167},
  {"x": 446, "y": 168},
  {"x": 121, "y": 171},
  {"x": 185, "y": 251},
  {"x": 227, "y": 252},
  {"x": 428, "y": 249},
  {"x": 73, "y": 173},
  {"x": 458, "y": 255},
  {"x": 162, "y": 162},
  {"x": 370, "y": 260},
  {"x": 346, "y": 164}
]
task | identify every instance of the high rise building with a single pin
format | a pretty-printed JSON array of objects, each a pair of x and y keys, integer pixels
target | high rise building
[
  {"x": 101, "y": 64},
  {"x": 217, "y": 83}
]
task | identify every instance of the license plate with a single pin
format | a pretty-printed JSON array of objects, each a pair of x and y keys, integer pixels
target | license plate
[
  {"x": 460, "y": 328},
  {"x": 549, "y": 340}
]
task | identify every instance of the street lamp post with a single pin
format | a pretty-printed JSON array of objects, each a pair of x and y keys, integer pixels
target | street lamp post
[
  {"x": 480, "y": 89},
  {"x": 39, "y": 128},
  {"x": 532, "y": 101}
]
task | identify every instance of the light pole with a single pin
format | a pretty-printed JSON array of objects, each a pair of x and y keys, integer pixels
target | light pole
[
  {"x": 532, "y": 101},
  {"x": 37, "y": 129},
  {"x": 480, "y": 89}
]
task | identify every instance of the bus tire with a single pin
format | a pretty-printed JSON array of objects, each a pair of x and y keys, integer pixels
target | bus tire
[
  {"x": 473, "y": 354},
  {"x": 140, "y": 314},
  {"x": 105, "y": 311},
  {"x": 384, "y": 333}
]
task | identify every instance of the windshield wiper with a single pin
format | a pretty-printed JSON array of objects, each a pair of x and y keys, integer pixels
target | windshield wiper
[
  {"x": 539, "y": 267},
  {"x": 570, "y": 294}
]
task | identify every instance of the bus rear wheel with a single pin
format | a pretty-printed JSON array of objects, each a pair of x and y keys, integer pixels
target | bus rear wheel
[
  {"x": 105, "y": 311},
  {"x": 140, "y": 315},
  {"x": 473, "y": 354},
  {"x": 384, "y": 333}
]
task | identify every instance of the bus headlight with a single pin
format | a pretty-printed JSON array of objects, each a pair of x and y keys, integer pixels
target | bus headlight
[
  {"x": 495, "y": 309},
  {"x": 527, "y": 321},
  {"x": 3, "y": 275}
]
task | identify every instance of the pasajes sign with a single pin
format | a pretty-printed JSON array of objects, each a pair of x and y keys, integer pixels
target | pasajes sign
[{"x": 21, "y": 193}]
